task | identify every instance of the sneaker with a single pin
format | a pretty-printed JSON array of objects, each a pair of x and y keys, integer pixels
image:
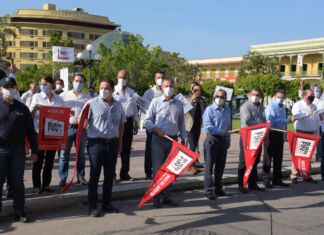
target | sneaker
[
  {"x": 157, "y": 204},
  {"x": 243, "y": 190},
  {"x": 62, "y": 183},
  {"x": 169, "y": 202},
  {"x": 82, "y": 181},
  {"x": 21, "y": 217},
  {"x": 310, "y": 180},
  {"x": 281, "y": 184},
  {"x": 294, "y": 181},
  {"x": 109, "y": 208},
  {"x": 126, "y": 178},
  {"x": 94, "y": 212}
]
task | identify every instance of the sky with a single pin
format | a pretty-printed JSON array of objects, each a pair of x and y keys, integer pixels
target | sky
[{"x": 199, "y": 29}]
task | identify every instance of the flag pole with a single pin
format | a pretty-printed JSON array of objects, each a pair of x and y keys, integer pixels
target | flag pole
[
  {"x": 233, "y": 131},
  {"x": 279, "y": 130},
  {"x": 169, "y": 138}
]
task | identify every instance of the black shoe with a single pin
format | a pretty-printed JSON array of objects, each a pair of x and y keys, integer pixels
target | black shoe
[
  {"x": 281, "y": 184},
  {"x": 109, "y": 208},
  {"x": 310, "y": 180},
  {"x": 256, "y": 188},
  {"x": 48, "y": 189},
  {"x": 126, "y": 178},
  {"x": 157, "y": 204},
  {"x": 294, "y": 181},
  {"x": 171, "y": 203},
  {"x": 94, "y": 212},
  {"x": 199, "y": 165},
  {"x": 243, "y": 190},
  {"x": 62, "y": 183},
  {"x": 37, "y": 190},
  {"x": 220, "y": 193},
  {"x": 267, "y": 185},
  {"x": 10, "y": 194},
  {"x": 21, "y": 217},
  {"x": 148, "y": 177},
  {"x": 210, "y": 196}
]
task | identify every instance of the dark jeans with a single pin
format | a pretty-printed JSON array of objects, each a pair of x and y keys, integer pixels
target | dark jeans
[
  {"x": 215, "y": 150},
  {"x": 193, "y": 139},
  {"x": 148, "y": 158},
  {"x": 12, "y": 163},
  {"x": 48, "y": 156},
  {"x": 127, "y": 145},
  {"x": 241, "y": 168},
  {"x": 321, "y": 143},
  {"x": 65, "y": 155},
  {"x": 101, "y": 155},
  {"x": 160, "y": 148},
  {"x": 275, "y": 152}
]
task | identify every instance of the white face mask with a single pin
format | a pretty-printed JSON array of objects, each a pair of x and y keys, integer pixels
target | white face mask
[
  {"x": 317, "y": 94},
  {"x": 122, "y": 82},
  {"x": 104, "y": 94},
  {"x": 59, "y": 87},
  {"x": 168, "y": 91},
  {"x": 159, "y": 81},
  {"x": 255, "y": 99},
  {"x": 9, "y": 93},
  {"x": 219, "y": 101}
]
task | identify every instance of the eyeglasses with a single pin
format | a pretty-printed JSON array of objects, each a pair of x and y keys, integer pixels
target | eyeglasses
[{"x": 217, "y": 96}]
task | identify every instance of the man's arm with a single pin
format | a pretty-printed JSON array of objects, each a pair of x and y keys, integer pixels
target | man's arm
[{"x": 246, "y": 117}]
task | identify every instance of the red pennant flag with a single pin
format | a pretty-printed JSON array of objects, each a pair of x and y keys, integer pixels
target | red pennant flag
[
  {"x": 302, "y": 147},
  {"x": 252, "y": 138},
  {"x": 178, "y": 161},
  {"x": 84, "y": 116}
]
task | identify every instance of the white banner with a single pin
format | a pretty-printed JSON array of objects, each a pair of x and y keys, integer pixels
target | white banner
[
  {"x": 256, "y": 137},
  {"x": 229, "y": 92},
  {"x": 186, "y": 105},
  {"x": 63, "y": 54},
  {"x": 64, "y": 75},
  {"x": 140, "y": 101},
  {"x": 304, "y": 147},
  {"x": 300, "y": 60}
]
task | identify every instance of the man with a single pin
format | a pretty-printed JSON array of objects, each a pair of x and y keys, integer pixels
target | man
[
  {"x": 105, "y": 134},
  {"x": 217, "y": 123},
  {"x": 320, "y": 132},
  {"x": 15, "y": 124},
  {"x": 276, "y": 115},
  {"x": 251, "y": 113},
  {"x": 26, "y": 98},
  {"x": 59, "y": 85},
  {"x": 305, "y": 122},
  {"x": 123, "y": 94},
  {"x": 74, "y": 99},
  {"x": 149, "y": 95},
  {"x": 193, "y": 120},
  {"x": 164, "y": 117}
]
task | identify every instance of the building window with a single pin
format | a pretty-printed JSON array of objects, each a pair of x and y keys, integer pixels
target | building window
[
  {"x": 44, "y": 56},
  {"x": 23, "y": 66},
  {"x": 47, "y": 45},
  {"x": 76, "y": 35},
  {"x": 25, "y": 55},
  {"x": 222, "y": 73},
  {"x": 94, "y": 36},
  {"x": 320, "y": 66},
  {"x": 11, "y": 43},
  {"x": 28, "y": 32},
  {"x": 11, "y": 54},
  {"x": 293, "y": 68},
  {"x": 46, "y": 32},
  {"x": 282, "y": 68},
  {"x": 79, "y": 46},
  {"x": 304, "y": 67},
  {"x": 28, "y": 44},
  {"x": 232, "y": 72}
]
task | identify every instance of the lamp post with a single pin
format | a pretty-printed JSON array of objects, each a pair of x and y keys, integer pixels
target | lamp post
[{"x": 89, "y": 49}]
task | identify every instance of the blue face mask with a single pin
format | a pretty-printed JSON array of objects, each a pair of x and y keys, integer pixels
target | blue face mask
[
  {"x": 77, "y": 86},
  {"x": 280, "y": 100},
  {"x": 44, "y": 88}
]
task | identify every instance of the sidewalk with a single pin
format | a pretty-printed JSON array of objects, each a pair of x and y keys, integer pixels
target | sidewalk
[{"x": 78, "y": 194}]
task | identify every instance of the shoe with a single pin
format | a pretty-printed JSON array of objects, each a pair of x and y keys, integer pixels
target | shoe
[
  {"x": 48, "y": 189},
  {"x": 199, "y": 165},
  {"x": 220, "y": 193},
  {"x": 148, "y": 178},
  {"x": 157, "y": 204},
  {"x": 281, "y": 184},
  {"x": 257, "y": 188},
  {"x": 62, "y": 183},
  {"x": 22, "y": 218},
  {"x": 115, "y": 181},
  {"x": 109, "y": 208},
  {"x": 194, "y": 170},
  {"x": 169, "y": 202},
  {"x": 267, "y": 185},
  {"x": 82, "y": 181},
  {"x": 294, "y": 181},
  {"x": 210, "y": 196},
  {"x": 37, "y": 190},
  {"x": 10, "y": 194},
  {"x": 310, "y": 180},
  {"x": 126, "y": 178},
  {"x": 94, "y": 212},
  {"x": 243, "y": 190}
]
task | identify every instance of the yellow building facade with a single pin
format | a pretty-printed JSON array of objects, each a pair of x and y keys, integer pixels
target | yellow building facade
[{"x": 32, "y": 26}]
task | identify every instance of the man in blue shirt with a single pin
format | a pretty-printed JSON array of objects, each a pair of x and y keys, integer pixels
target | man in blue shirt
[
  {"x": 276, "y": 114},
  {"x": 164, "y": 117},
  {"x": 217, "y": 122}
]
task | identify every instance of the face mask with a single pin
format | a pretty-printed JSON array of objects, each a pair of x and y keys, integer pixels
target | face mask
[
  {"x": 219, "y": 101},
  {"x": 317, "y": 94},
  {"x": 279, "y": 100},
  {"x": 168, "y": 91},
  {"x": 255, "y": 99},
  {"x": 9, "y": 93},
  {"x": 44, "y": 88},
  {"x": 122, "y": 82},
  {"x": 159, "y": 81},
  {"x": 311, "y": 98},
  {"x": 59, "y": 87},
  {"x": 104, "y": 94},
  {"x": 77, "y": 86}
]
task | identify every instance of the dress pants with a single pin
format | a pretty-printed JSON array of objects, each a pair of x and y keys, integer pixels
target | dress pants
[
  {"x": 127, "y": 145},
  {"x": 47, "y": 156}
]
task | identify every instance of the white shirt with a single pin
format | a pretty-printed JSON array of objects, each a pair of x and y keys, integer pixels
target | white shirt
[
  {"x": 42, "y": 100},
  {"x": 300, "y": 112},
  {"x": 26, "y": 97},
  {"x": 76, "y": 103},
  {"x": 124, "y": 98}
]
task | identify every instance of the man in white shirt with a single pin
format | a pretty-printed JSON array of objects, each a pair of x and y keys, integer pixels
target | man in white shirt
[
  {"x": 123, "y": 94},
  {"x": 305, "y": 122},
  {"x": 74, "y": 99},
  {"x": 26, "y": 97},
  {"x": 149, "y": 94}
]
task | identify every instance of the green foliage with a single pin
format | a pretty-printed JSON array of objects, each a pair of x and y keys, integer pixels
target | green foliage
[
  {"x": 6, "y": 30},
  {"x": 209, "y": 88}
]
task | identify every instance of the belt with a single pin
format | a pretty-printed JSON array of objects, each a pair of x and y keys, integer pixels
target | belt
[
  {"x": 175, "y": 137},
  {"x": 216, "y": 136},
  {"x": 104, "y": 140},
  {"x": 75, "y": 126}
]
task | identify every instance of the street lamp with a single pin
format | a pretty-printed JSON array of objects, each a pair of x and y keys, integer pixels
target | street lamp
[
  {"x": 98, "y": 57},
  {"x": 90, "y": 49}
]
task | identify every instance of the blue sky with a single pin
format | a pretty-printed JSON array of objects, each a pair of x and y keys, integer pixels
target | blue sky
[{"x": 203, "y": 28}]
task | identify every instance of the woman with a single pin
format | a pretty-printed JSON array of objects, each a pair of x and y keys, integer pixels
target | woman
[{"x": 46, "y": 97}]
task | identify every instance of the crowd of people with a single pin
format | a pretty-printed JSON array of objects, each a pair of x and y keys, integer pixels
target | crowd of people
[{"x": 113, "y": 121}]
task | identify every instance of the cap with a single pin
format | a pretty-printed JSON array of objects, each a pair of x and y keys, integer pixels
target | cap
[{"x": 7, "y": 81}]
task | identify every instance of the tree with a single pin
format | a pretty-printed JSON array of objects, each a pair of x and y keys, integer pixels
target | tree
[{"x": 6, "y": 31}]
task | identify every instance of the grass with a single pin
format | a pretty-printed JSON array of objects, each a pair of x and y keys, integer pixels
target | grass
[{"x": 236, "y": 125}]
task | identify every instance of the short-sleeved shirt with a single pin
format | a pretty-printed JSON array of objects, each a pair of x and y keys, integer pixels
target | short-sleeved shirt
[
  {"x": 42, "y": 100},
  {"x": 104, "y": 120},
  {"x": 76, "y": 103}
]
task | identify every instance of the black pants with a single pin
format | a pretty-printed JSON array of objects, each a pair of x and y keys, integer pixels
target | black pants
[
  {"x": 275, "y": 152},
  {"x": 193, "y": 139},
  {"x": 241, "y": 168},
  {"x": 127, "y": 145},
  {"x": 215, "y": 150},
  {"x": 101, "y": 155},
  {"x": 48, "y": 156},
  {"x": 148, "y": 155}
]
